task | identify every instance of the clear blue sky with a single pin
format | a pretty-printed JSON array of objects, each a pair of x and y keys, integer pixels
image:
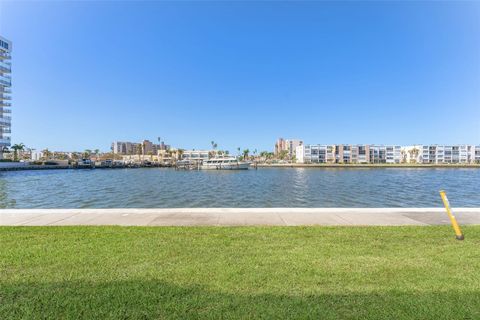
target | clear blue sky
[{"x": 243, "y": 73}]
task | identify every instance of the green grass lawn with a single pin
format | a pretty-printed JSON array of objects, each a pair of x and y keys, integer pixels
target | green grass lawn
[{"x": 243, "y": 272}]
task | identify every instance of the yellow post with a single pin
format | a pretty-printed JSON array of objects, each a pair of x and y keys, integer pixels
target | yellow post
[{"x": 458, "y": 232}]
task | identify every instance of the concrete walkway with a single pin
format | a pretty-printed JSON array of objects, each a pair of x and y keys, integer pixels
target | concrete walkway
[{"x": 237, "y": 216}]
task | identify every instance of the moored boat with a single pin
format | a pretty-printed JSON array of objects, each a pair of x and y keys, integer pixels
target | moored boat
[{"x": 229, "y": 163}]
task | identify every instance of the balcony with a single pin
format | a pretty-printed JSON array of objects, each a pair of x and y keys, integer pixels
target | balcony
[
  {"x": 5, "y": 130},
  {"x": 5, "y": 56},
  {"x": 5, "y": 122},
  {"x": 5, "y": 104},
  {"x": 4, "y": 69},
  {"x": 5, "y": 141},
  {"x": 2, "y": 110},
  {"x": 5, "y": 97},
  {"x": 7, "y": 83}
]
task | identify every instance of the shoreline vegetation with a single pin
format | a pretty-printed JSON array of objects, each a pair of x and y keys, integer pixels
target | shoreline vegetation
[{"x": 239, "y": 273}]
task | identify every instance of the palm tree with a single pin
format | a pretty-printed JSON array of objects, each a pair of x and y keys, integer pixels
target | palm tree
[
  {"x": 46, "y": 154},
  {"x": 238, "y": 149},
  {"x": 245, "y": 154},
  {"x": 227, "y": 152},
  {"x": 414, "y": 154},
  {"x": 214, "y": 144},
  {"x": 16, "y": 148},
  {"x": 283, "y": 154},
  {"x": 87, "y": 153},
  {"x": 97, "y": 151},
  {"x": 139, "y": 150}
]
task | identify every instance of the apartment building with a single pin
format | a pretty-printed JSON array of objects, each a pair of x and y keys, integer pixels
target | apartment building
[
  {"x": 439, "y": 154},
  {"x": 5, "y": 91},
  {"x": 125, "y": 148},
  {"x": 315, "y": 153},
  {"x": 288, "y": 145},
  {"x": 145, "y": 147},
  {"x": 345, "y": 153}
]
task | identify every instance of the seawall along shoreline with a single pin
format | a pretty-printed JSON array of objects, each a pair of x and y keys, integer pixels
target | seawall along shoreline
[{"x": 237, "y": 217}]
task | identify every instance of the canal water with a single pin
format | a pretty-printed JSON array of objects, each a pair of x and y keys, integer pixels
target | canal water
[{"x": 265, "y": 187}]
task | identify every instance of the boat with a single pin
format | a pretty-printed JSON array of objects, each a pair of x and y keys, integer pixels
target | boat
[
  {"x": 85, "y": 164},
  {"x": 186, "y": 165},
  {"x": 227, "y": 163}
]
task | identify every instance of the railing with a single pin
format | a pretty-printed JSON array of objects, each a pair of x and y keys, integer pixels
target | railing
[
  {"x": 5, "y": 56},
  {"x": 5, "y": 140},
  {"x": 4, "y": 97},
  {"x": 5, "y": 83},
  {"x": 5, "y": 104},
  {"x": 5, "y": 110},
  {"x": 5, "y": 69},
  {"x": 4, "y": 130}
]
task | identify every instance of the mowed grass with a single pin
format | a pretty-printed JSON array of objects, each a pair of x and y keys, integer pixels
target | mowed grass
[{"x": 242, "y": 272}]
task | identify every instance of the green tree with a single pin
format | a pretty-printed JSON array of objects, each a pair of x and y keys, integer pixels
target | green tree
[
  {"x": 214, "y": 145},
  {"x": 245, "y": 154},
  {"x": 16, "y": 148},
  {"x": 46, "y": 154},
  {"x": 87, "y": 153},
  {"x": 283, "y": 154}
]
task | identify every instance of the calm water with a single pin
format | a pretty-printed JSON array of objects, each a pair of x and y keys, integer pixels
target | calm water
[{"x": 268, "y": 187}]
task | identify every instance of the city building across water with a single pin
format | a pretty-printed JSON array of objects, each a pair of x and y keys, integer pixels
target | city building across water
[
  {"x": 389, "y": 154},
  {"x": 5, "y": 91}
]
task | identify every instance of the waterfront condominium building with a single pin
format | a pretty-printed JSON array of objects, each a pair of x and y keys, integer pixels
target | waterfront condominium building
[
  {"x": 288, "y": 145},
  {"x": 438, "y": 154},
  {"x": 5, "y": 91},
  {"x": 345, "y": 153},
  {"x": 134, "y": 148},
  {"x": 393, "y": 154}
]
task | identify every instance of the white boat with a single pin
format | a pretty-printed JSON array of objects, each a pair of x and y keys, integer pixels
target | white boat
[
  {"x": 229, "y": 163},
  {"x": 85, "y": 164}
]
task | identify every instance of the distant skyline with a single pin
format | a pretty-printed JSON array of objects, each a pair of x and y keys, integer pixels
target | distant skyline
[{"x": 243, "y": 74}]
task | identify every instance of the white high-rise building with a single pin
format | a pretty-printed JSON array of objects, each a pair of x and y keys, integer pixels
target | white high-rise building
[{"x": 5, "y": 91}]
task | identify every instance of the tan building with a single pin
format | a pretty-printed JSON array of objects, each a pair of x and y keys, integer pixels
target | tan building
[{"x": 288, "y": 145}]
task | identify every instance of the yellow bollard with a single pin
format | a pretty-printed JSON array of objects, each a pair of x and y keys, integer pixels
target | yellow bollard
[{"x": 458, "y": 232}]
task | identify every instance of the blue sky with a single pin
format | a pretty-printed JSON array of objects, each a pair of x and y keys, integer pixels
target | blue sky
[{"x": 243, "y": 73}]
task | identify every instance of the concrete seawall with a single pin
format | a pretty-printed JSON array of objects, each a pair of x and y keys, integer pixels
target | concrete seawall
[
  {"x": 237, "y": 217},
  {"x": 366, "y": 165}
]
